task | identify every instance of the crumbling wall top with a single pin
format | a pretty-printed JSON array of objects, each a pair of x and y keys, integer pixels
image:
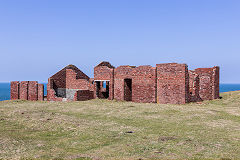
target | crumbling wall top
[{"x": 105, "y": 63}]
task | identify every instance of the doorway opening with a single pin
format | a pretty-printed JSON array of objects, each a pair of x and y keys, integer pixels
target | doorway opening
[
  {"x": 102, "y": 89},
  {"x": 128, "y": 89}
]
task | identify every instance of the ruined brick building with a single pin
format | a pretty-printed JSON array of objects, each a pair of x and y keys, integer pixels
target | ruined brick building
[
  {"x": 27, "y": 90},
  {"x": 166, "y": 83}
]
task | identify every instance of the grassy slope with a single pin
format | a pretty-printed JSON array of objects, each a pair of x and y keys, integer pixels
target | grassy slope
[{"x": 99, "y": 129}]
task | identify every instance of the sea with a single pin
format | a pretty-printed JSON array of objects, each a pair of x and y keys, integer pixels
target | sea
[{"x": 5, "y": 89}]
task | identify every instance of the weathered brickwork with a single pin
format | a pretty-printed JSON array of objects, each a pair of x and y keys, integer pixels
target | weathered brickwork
[
  {"x": 33, "y": 90},
  {"x": 137, "y": 84},
  {"x": 216, "y": 79},
  {"x": 14, "y": 90},
  {"x": 73, "y": 83},
  {"x": 122, "y": 73},
  {"x": 64, "y": 84},
  {"x": 194, "y": 87},
  {"x": 144, "y": 84},
  {"x": 208, "y": 83},
  {"x": 104, "y": 72},
  {"x": 40, "y": 92},
  {"x": 83, "y": 95},
  {"x": 23, "y": 90},
  {"x": 166, "y": 83},
  {"x": 172, "y": 83},
  {"x": 51, "y": 94},
  {"x": 27, "y": 90}
]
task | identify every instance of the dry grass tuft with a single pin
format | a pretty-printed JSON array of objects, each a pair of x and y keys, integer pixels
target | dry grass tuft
[{"x": 102, "y": 129}]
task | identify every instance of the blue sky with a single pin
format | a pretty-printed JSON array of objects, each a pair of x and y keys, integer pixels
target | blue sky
[{"x": 39, "y": 37}]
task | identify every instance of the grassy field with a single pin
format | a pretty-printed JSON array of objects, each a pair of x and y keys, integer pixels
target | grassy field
[{"x": 102, "y": 129}]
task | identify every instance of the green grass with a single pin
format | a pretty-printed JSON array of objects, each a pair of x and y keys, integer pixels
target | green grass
[{"x": 102, "y": 129}]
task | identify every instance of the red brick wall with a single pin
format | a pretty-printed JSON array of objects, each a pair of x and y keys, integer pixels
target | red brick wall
[
  {"x": 205, "y": 77},
  {"x": 51, "y": 92},
  {"x": 40, "y": 92},
  {"x": 79, "y": 73},
  {"x": 27, "y": 90},
  {"x": 91, "y": 86},
  {"x": 51, "y": 96},
  {"x": 69, "y": 77},
  {"x": 59, "y": 79},
  {"x": 172, "y": 83},
  {"x": 33, "y": 90},
  {"x": 216, "y": 72},
  {"x": 209, "y": 83},
  {"x": 83, "y": 95},
  {"x": 121, "y": 73},
  {"x": 119, "y": 89},
  {"x": 143, "y": 83},
  {"x": 14, "y": 90},
  {"x": 193, "y": 87},
  {"x": 73, "y": 83},
  {"x": 23, "y": 90},
  {"x": 104, "y": 73}
]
